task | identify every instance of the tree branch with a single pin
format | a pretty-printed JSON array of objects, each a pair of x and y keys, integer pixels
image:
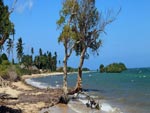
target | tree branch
[
  {"x": 13, "y": 7},
  {"x": 3, "y": 39}
]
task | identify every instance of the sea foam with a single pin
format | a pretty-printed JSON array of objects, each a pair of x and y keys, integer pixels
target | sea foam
[{"x": 36, "y": 84}]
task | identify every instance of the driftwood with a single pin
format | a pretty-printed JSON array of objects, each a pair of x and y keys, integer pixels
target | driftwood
[
  {"x": 6, "y": 96},
  {"x": 91, "y": 102},
  {"x": 3, "y": 83}
]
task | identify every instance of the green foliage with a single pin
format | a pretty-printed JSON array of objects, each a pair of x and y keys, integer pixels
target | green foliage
[
  {"x": 0, "y": 60},
  {"x": 71, "y": 69},
  {"x": 10, "y": 45},
  {"x": 32, "y": 50},
  {"x": 46, "y": 61},
  {"x": 115, "y": 68},
  {"x": 13, "y": 61},
  {"x": 102, "y": 68},
  {"x": 65, "y": 22},
  {"x": 85, "y": 69},
  {"x": 1, "y": 48},
  {"x": 4, "y": 57},
  {"x": 89, "y": 26},
  {"x": 40, "y": 52},
  {"x": 24, "y": 71},
  {"x": 27, "y": 60},
  {"x": 6, "y": 26},
  {"x": 19, "y": 49},
  {"x": 8, "y": 71},
  {"x": 60, "y": 21},
  {"x": 5, "y": 63}
]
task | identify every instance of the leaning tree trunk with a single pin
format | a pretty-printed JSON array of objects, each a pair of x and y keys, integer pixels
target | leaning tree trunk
[{"x": 79, "y": 79}]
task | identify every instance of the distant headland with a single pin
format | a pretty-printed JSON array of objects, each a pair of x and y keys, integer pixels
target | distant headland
[{"x": 113, "y": 68}]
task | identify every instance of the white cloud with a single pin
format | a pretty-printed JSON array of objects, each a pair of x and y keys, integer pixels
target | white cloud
[{"x": 23, "y": 5}]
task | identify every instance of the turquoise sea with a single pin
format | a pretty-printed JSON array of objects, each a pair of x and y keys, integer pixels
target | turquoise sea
[{"x": 128, "y": 91}]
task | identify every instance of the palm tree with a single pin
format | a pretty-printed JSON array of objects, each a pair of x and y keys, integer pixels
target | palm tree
[
  {"x": 19, "y": 49},
  {"x": 40, "y": 52},
  {"x": 1, "y": 49},
  {"x": 10, "y": 46},
  {"x": 32, "y": 52}
]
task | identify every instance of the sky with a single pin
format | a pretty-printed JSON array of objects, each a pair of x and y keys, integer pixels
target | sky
[{"x": 127, "y": 39}]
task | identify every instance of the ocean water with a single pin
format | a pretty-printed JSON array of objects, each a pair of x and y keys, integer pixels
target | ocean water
[{"x": 126, "y": 92}]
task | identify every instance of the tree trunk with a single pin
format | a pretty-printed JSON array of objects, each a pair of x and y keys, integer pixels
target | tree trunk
[
  {"x": 65, "y": 90},
  {"x": 79, "y": 79},
  {"x": 64, "y": 98}
]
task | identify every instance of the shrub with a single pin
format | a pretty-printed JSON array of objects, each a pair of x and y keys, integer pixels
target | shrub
[{"x": 4, "y": 56}]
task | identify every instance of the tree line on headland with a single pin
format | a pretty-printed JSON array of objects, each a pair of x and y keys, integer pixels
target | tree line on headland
[{"x": 113, "y": 68}]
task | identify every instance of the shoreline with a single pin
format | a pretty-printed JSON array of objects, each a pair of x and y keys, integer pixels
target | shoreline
[{"x": 40, "y": 75}]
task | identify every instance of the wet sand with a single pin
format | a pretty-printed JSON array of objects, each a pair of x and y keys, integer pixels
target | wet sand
[{"x": 59, "y": 108}]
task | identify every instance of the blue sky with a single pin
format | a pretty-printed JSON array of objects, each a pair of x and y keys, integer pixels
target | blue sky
[{"x": 127, "y": 39}]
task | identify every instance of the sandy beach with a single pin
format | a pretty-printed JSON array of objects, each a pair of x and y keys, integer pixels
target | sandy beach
[{"x": 41, "y": 75}]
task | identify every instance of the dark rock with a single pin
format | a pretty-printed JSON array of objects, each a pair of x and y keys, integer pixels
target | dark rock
[{"x": 4, "y": 109}]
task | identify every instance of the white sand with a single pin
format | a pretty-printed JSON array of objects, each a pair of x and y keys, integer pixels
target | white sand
[
  {"x": 41, "y": 75},
  {"x": 12, "y": 92}
]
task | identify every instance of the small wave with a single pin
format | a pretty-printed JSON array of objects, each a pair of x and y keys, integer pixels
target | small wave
[
  {"x": 109, "y": 109},
  {"x": 36, "y": 84},
  {"x": 58, "y": 86},
  {"x": 83, "y": 101},
  {"x": 90, "y": 75},
  {"x": 105, "y": 107}
]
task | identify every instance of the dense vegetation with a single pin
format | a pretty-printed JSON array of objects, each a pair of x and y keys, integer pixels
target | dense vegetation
[
  {"x": 71, "y": 69},
  {"x": 11, "y": 67},
  {"x": 27, "y": 64},
  {"x": 113, "y": 68},
  {"x": 7, "y": 70}
]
